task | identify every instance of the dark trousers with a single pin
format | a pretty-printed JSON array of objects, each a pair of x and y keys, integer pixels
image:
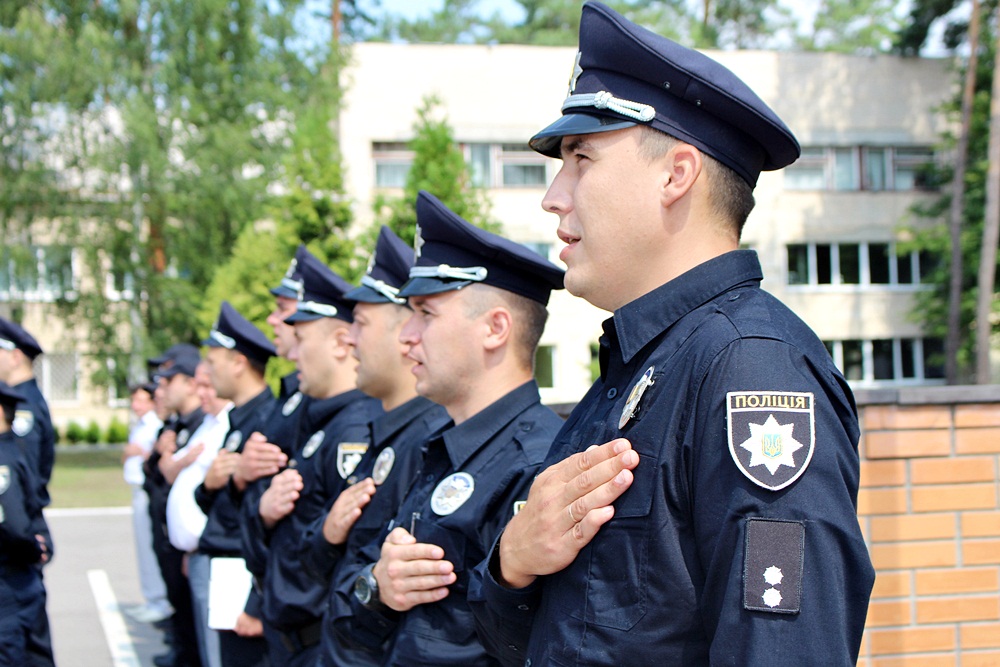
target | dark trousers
[
  {"x": 171, "y": 561},
  {"x": 242, "y": 651},
  {"x": 39, "y": 648}
]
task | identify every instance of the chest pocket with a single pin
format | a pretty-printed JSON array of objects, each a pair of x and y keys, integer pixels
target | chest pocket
[{"x": 450, "y": 540}]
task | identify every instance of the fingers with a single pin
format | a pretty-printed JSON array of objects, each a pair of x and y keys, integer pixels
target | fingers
[{"x": 411, "y": 573}]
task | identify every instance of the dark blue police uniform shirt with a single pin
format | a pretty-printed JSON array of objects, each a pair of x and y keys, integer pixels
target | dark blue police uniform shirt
[
  {"x": 496, "y": 454},
  {"x": 393, "y": 460},
  {"x": 326, "y": 456},
  {"x": 678, "y": 577},
  {"x": 22, "y": 595},
  {"x": 280, "y": 428},
  {"x": 38, "y": 439}
]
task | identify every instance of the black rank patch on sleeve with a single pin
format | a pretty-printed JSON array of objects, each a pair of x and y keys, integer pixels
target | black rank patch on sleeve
[{"x": 772, "y": 565}]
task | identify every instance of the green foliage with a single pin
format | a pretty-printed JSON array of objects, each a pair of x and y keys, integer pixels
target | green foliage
[
  {"x": 74, "y": 433},
  {"x": 92, "y": 434},
  {"x": 439, "y": 168},
  {"x": 117, "y": 432},
  {"x": 854, "y": 26},
  {"x": 931, "y": 308}
]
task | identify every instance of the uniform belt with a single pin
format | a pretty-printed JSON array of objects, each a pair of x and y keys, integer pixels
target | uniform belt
[{"x": 301, "y": 638}]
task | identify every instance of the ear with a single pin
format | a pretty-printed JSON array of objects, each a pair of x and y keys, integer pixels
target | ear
[
  {"x": 341, "y": 343},
  {"x": 499, "y": 326},
  {"x": 682, "y": 167}
]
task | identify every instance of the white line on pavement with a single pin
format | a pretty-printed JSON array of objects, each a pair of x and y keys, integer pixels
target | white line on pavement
[{"x": 119, "y": 643}]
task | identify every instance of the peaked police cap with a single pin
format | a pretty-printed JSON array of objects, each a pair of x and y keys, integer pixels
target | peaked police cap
[
  {"x": 323, "y": 293},
  {"x": 388, "y": 269},
  {"x": 235, "y": 332}
]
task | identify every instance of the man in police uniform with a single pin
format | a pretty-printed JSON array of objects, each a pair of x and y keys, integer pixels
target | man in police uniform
[
  {"x": 478, "y": 305},
  {"x": 333, "y": 435},
  {"x": 717, "y": 523},
  {"x": 175, "y": 374},
  {"x": 21, "y": 589},
  {"x": 237, "y": 358},
  {"x": 397, "y": 437},
  {"x": 33, "y": 427}
]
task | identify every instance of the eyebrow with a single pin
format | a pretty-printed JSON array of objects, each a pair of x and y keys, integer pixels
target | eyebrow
[{"x": 575, "y": 144}]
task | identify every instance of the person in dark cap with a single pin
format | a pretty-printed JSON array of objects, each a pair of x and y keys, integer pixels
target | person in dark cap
[
  {"x": 21, "y": 589},
  {"x": 32, "y": 425},
  {"x": 717, "y": 523},
  {"x": 179, "y": 392},
  {"x": 376, "y": 487},
  {"x": 237, "y": 358},
  {"x": 478, "y": 305},
  {"x": 332, "y": 436}
]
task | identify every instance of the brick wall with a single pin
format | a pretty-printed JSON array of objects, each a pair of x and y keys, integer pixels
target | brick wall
[{"x": 929, "y": 506}]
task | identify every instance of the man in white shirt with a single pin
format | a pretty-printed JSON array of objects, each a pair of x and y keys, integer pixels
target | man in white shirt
[
  {"x": 146, "y": 424},
  {"x": 185, "y": 520}
]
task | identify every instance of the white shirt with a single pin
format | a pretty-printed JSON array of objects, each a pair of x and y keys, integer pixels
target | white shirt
[
  {"x": 185, "y": 520},
  {"x": 143, "y": 433}
]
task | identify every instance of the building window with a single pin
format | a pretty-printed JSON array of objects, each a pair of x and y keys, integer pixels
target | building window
[
  {"x": 869, "y": 168},
  {"x": 889, "y": 360},
  {"x": 864, "y": 264},
  {"x": 505, "y": 166},
  {"x": 393, "y": 160},
  {"x": 36, "y": 272},
  {"x": 56, "y": 373},
  {"x": 544, "y": 366}
]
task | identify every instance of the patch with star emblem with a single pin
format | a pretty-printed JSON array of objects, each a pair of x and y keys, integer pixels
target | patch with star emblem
[
  {"x": 233, "y": 441},
  {"x": 23, "y": 422},
  {"x": 772, "y": 565},
  {"x": 292, "y": 403},
  {"x": 312, "y": 444},
  {"x": 348, "y": 456},
  {"x": 383, "y": 465},
  {"x": 772, "y": 435}
]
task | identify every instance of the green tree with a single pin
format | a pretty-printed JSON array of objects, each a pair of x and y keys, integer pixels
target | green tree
[
  {"x": 853, "y": 26},
  {"x": 439, "y": 168}
]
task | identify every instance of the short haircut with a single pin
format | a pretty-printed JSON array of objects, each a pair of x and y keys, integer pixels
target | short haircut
[
  {"x": 529, "y": 317},
  {"x": 730, "y": 196}
]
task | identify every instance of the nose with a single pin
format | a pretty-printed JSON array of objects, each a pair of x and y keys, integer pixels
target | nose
[
  {"x": 557, "y": 199},
  {"x": 408, "y": 334}
]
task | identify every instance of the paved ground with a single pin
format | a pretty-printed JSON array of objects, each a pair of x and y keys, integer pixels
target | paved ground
[{"x": 91, "y": 583}]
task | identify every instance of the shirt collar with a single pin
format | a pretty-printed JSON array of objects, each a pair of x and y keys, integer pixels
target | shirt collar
[
  {"x": 640, "y": 321},
  {"x": 240, "y": 413},
  {"x": 389, "y": 424},
  {"x": 464, "y": 440},
  {"x": 321, "y": 411}
]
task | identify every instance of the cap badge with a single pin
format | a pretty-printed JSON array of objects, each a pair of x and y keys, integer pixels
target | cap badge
[
  {"x": 635, "y": 396},
  {"x": 312, "y": 444},
  {"x": 233, "y": 441},
  {"x": 577, "y": 71},
  {"x": 418, "y": 243},
  {"x": 383, "y": 465},
  {"x": 291, "y": 404},
  {"x": 23, "y": 422},
  {"x": 348, "y": 456},
  {"x": 452, "y": 493},
  {"x": 771, "y": 435}
]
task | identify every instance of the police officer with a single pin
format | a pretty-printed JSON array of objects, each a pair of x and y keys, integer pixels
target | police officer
[
  {"x": 33, "y": 427},
  {"x": 388, "y": 467},
  {"x": 21, "y": 590},
  {"x": 333, "y": 436},
  {"x": 717, "y": 523},
  {"x": 175, "y": 373},
  {"x": 237, "y": 358},
  {"x": 478, "y": 305}
]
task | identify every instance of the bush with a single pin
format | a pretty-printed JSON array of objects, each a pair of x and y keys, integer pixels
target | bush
[
  {"x": 74, "y": 433},
  {"x": 93, "y": 433},
  {"x": 117, "y": 432}
]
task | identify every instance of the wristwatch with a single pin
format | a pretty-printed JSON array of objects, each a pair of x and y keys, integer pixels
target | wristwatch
[{"x": 366, "y": 589}]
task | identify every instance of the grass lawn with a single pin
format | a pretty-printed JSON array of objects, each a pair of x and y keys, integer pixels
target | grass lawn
[{"x": 87, "y": 477}]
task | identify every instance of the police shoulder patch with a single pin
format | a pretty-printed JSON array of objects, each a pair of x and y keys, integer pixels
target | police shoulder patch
[
  {"x": 348, "y": 456},
  {"x": 774, "y": 553},
  {"x": 772, "y": 435},
  {"x": 24, "y": 421}
]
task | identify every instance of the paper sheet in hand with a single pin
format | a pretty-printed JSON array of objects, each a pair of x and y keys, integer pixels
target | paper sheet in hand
[{"x": 228, "y": 587}]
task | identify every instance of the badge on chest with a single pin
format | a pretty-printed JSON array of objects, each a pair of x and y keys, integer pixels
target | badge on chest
[{"x": 452, "y": 493}]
